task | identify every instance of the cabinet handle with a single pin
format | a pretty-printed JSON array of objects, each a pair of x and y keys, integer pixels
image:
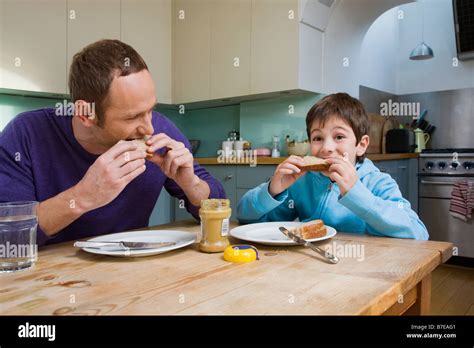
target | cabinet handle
[
  {"x": 229, "y": 176},
  {"x": 402, "y": 167},
  {"x": 383, "y": 170}
]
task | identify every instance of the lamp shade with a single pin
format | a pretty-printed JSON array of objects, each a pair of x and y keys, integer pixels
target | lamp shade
[{"x": 422, "y": 52}]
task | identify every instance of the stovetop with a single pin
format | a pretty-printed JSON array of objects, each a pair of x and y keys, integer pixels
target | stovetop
[{"x": 447, "y": 162}]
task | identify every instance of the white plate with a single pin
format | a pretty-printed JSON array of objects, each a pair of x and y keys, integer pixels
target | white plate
[
  {"x": 181, "y": 239},
  {"x": 268, "y": 233}
]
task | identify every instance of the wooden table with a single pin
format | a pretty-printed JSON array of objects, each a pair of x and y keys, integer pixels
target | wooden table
[{"x": 393, "y": 277}]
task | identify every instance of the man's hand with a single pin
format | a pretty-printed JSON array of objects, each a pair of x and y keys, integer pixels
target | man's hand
[
  {"x": 176, "y": 163},
  {"x": 109, "y": 175},
  {"x": 343, "y": 172},
  {"x": 285, "y": 175}
]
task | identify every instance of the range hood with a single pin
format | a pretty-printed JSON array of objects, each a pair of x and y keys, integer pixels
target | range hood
[{"x": 316, "y": 13}]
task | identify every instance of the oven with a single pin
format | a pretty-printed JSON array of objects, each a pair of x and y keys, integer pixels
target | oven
[{"x": 437, "y": 174}]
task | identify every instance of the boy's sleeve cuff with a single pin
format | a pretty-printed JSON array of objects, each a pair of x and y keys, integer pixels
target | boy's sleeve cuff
[
  {"x": 265, "y": 200},
  {"x": 358, "y": 199}
]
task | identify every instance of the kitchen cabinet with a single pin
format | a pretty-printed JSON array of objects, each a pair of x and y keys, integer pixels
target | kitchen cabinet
[
  {"x": 286, "y": 55},
  {"x": 89, "y": 21},
  {"x": 273, "y": 50},
  {"x": 36, "y": 55},
  {"x": 191, "y": 50},
  {"x": 250, "y": 177},
  {"x": 230, "y": 48},
  {"x": 146, "y": 26},
  {"x": 404, "y": 172},
  {"x": 33, "y": 45},
  {"x": 163, "y": 211}
]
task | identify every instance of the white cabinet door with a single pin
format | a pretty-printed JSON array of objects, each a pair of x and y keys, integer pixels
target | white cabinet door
[
  {"x": 146, "y": 26},
  {"x": 33, "y": 46},
  {"x": 90, "y": 21},
  {"x": 192, "y": 50},
  {"x": 230, "y": 48},
  {"x": 274, "y": 62}
]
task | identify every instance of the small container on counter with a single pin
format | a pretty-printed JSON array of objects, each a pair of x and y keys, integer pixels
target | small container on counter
[{"x": 214, "y": 214}]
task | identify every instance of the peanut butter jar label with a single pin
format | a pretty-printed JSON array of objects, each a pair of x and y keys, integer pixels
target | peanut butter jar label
[{"x": 225, "y": 227}]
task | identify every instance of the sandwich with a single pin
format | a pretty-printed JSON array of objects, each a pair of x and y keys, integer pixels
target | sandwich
[
  {"x": 311, "y": 229},
  {"x": 314, "y": 164},
  {"x": 141, "y": 145}
]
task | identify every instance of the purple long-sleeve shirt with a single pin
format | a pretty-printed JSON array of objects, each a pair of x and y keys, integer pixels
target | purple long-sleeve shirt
[{"x": 40, "y": 158}]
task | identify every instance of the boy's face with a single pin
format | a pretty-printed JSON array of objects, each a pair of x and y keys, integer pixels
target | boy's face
[{"x": 336, "y": 139}]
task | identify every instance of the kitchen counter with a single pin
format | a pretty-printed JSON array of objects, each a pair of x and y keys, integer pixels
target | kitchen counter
[
  {"x": 278, "y": 160},
  {"x": 286, "y": 280}
]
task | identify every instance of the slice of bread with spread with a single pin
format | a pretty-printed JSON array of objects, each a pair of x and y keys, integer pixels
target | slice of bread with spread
[
  {"x": 314, "y": 164},
  {"x": 311, "y": 229},
  {"x": 141, "y": 145}
]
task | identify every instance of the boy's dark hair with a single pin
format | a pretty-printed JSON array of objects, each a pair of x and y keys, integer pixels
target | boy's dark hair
[
  {"x": 343, "y": 106},
  {"x": 94, "y": 68}
]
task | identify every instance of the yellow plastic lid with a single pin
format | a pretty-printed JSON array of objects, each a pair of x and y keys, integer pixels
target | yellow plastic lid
[{"x": 240, "y": 253}]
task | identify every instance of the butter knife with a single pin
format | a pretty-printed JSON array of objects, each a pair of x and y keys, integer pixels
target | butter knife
[
  {"x": 121, "y": 244},
  {"x": 328, "y": 256}
]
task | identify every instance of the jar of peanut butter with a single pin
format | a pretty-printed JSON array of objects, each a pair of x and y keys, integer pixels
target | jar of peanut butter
[{"x": 214, "y": 214}]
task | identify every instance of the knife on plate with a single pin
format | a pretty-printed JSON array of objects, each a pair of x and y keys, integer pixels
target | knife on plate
[
  {"x": 121, "y": 244},
  {"x": 327, "y": 255}
]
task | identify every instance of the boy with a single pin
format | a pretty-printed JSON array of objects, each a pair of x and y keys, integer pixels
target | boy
[{"x": 351, "y": 196}]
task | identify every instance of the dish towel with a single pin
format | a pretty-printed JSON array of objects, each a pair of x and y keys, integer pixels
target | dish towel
[{"x": 462, "y": 200}]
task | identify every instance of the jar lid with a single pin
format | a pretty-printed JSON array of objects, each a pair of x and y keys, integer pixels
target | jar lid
[{"x": 240, "y": 253}]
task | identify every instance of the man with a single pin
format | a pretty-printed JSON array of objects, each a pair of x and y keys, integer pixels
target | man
[{"x": 86, "y": 182}]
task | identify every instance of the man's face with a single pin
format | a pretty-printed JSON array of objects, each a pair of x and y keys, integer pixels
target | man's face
[
  {"x": 335, "y": 138},
  {"x": 128, "y": 111}
]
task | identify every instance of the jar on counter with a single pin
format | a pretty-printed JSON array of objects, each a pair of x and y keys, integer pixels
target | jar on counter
[{"x": 214, "y": 214}]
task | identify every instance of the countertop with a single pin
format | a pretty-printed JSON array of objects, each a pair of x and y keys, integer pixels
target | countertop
[
  {"x": 278, "y": 160},
  {"x": 291, "y": 280}
]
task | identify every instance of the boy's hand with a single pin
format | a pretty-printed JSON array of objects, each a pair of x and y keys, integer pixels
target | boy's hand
[
  {"x": 285, "y": 175},
  {"x": 343, "y": 172}
]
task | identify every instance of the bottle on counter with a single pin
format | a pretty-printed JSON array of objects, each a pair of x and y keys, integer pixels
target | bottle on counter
[{"x": 215, "y": 215}]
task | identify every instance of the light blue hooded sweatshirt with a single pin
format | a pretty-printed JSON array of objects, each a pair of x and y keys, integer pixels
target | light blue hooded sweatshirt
[{"x": 374, "y": 205}]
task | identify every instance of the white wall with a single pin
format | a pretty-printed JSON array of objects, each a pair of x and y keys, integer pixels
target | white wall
[
  {"x": 344, "y": 37},
  {"x": 385, "y": 63},
  {"x": 436, "y": 74},
  {"x": 379, "y": 54}
]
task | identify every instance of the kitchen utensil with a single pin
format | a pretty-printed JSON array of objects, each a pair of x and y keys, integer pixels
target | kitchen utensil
[
  {"x": 421, "y": 139},
  {"x": 430, "y": 129},
  {"x": 423, "y": 124},
  {"x": 228, "y": 147},
  {"x": 267, "y": 233},
  {"x": 121, "y": 244},
  {"x": 327, "y": 255},
  {"x": 234, "y": 135},
  {"x": 276, "y": 146},
  {"x": 422, "y": 116}
]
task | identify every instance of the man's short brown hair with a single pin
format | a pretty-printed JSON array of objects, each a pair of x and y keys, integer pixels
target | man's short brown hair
[
  {"x": 343, "y": 106},
  {"x": 94, "y": 68}
]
